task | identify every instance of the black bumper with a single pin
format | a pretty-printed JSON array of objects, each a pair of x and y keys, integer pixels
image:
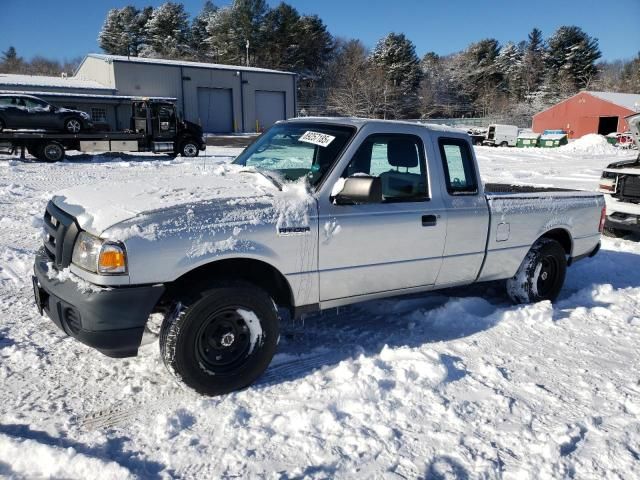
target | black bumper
[
  {"x": 111, "y": 320},
  {"x": 623, "y": 221}
]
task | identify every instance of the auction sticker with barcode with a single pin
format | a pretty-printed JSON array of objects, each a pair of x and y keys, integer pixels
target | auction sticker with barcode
[{"x": 317, "y": 138}]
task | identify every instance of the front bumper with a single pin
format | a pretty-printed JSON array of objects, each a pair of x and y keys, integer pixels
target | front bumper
[{"x": 110, "y": 320}]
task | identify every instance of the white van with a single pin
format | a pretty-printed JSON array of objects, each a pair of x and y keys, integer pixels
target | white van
[{"x": 502, "y": 135}]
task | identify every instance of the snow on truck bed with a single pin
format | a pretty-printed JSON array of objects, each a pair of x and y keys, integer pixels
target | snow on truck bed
[{"x": 448, "y": 385}]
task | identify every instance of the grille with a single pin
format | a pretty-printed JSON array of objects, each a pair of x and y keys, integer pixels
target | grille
[
  {"x": 630, "y": 188},
  {"x": 60, "y": 231}
]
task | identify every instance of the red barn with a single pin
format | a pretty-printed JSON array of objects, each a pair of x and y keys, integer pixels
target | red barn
[{"x": 589, "y": 112}]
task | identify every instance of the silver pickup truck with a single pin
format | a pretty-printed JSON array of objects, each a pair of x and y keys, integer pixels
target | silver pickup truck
[{"x": 316, "y": 213}]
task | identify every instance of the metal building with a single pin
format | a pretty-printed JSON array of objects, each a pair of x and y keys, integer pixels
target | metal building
[
  {"x": 221, "y": 98},
  {"x": 589, "y": 112}
]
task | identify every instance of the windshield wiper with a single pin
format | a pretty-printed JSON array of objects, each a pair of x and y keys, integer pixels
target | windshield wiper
[{"x": 272, "y": 178}]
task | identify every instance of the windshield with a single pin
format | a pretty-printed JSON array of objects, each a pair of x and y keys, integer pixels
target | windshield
[{"x": 296, "y": 150}]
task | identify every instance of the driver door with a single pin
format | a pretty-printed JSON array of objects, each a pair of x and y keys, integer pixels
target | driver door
[{"x": 393, "y": 245}]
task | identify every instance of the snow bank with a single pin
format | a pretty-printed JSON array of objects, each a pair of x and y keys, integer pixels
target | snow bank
[
  {"x": 31, "y": 459},
  {"x": 590, "y": 144}
]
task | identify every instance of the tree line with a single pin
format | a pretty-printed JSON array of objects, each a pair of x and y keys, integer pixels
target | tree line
[{"x": 343, "y": 77}]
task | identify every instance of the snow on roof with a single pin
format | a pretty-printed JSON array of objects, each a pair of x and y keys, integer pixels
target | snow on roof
[
  {"x": 528, "y": 135},
  {"x": 44, "y": 81},
  {"x": 553, "y": 136},
  {"x": 626, "y": 100},
  {"x": 82, "y": 95},
  {"x": 161, "y": 61}
]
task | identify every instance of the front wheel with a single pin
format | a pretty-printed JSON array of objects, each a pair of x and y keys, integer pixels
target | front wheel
[
  {"x": 504, "y": 144},
  {"x": 541, "y": 274},
  {"x": 220, "y": 340},
  {"x": 189, "y": 148},
  {"x": 73, "y": 125}
]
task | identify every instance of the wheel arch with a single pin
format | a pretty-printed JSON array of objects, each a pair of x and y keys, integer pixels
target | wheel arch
[
  {"x": 251, "y": 270},
  {"x": 562, "y": 236}
]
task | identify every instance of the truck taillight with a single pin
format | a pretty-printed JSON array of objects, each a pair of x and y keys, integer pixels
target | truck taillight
[
  {"x": 607, "y": 187},
  {"x": 603, "y": 218}
]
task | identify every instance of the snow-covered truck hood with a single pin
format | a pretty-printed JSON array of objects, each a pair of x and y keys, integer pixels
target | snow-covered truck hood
[{"x": 99, "y": 207}]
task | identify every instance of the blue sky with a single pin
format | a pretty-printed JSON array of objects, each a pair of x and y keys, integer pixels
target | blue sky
[{"x": 68, "y": 28}]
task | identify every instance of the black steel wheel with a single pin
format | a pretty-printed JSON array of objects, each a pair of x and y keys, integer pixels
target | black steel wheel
[
  {"x": 189, "y": 148},
  {"x": 541, "y": 274},
  {"x": 220, "y": 339},
  {"x": 73, "y": 125},
  {"x": 51, "y": 152}
]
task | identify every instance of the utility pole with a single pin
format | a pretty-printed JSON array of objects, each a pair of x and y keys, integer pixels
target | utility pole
[{"x": 247, "y": 53}]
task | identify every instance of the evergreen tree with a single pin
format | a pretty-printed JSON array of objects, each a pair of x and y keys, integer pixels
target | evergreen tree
[
  {"x": 123, "y": 32},
  {"x": 509, "y": 64},
  {"x": 280, "y": 38},
  {"x": 11, "y": 62},
  {"x": 572, "y": 57},
  {"x": 479, "y": 75},
  {"x": 198, "y": 36},
  {"x": 246, "y": 19},
  {"x": 396, "y": 55},
  {"x": 533, "y": 62},
  {"x": 167, "y": 32},
  {"x": 314, "y": 45}
]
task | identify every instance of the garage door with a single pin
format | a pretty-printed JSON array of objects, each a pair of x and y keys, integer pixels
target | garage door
[
  {"x": 269, "y": 108},
  {"x": 215, "y": 108}
]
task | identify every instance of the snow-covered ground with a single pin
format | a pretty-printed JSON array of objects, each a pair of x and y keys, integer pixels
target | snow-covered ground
[{"x": 448, "y": 385}]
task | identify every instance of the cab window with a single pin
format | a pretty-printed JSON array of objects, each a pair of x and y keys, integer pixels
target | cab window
[{"x": 398, "y": 160}]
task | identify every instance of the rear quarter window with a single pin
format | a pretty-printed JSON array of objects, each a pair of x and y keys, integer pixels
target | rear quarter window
[{"x": 458, "y": 166}]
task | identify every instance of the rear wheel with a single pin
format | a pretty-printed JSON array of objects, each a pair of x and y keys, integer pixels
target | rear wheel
[
  {"x": 541, "y": 274},
  {"x": 189, "y": 148},
  {"x": 504, "y": 144},
  {"x": 51, "y": 152},
  {"x": 73, "y": 125},
  {"x": 221, "y": 339}
]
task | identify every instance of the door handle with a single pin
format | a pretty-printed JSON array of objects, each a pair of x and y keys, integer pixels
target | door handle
[{"x": 429, "y": 220}]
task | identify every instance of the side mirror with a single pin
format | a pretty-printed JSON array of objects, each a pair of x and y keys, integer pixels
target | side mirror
[
  {"x": 360, "y": 190},
  {"x": 52, "y": 108}
]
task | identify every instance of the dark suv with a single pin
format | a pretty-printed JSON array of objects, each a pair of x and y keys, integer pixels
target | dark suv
[{"x": 32, "y": 113}]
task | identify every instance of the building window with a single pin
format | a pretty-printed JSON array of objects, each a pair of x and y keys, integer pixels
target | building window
[{"x": 99, "y": 114}]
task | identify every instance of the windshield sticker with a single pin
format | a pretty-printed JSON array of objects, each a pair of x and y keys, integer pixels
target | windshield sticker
[{"x": 317, "y": 138}]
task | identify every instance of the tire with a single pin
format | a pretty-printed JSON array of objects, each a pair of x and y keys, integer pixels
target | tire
[
  {"x": 189, "y": 148},
  {"x": 613, "y": 232},
  {"x": 541, "y": 274},
  {"x": 73, "y": 125},
  {"x": 51, "y": 152},
  {"x": 221, "y": 339},
  {"x": 504, "y": 144}
]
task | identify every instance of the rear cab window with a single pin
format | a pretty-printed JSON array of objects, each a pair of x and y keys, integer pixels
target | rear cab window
[{"x": 459, "y": 169}]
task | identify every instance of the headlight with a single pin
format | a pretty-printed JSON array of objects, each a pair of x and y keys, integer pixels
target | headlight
[{"x": 99, "y": 256}]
